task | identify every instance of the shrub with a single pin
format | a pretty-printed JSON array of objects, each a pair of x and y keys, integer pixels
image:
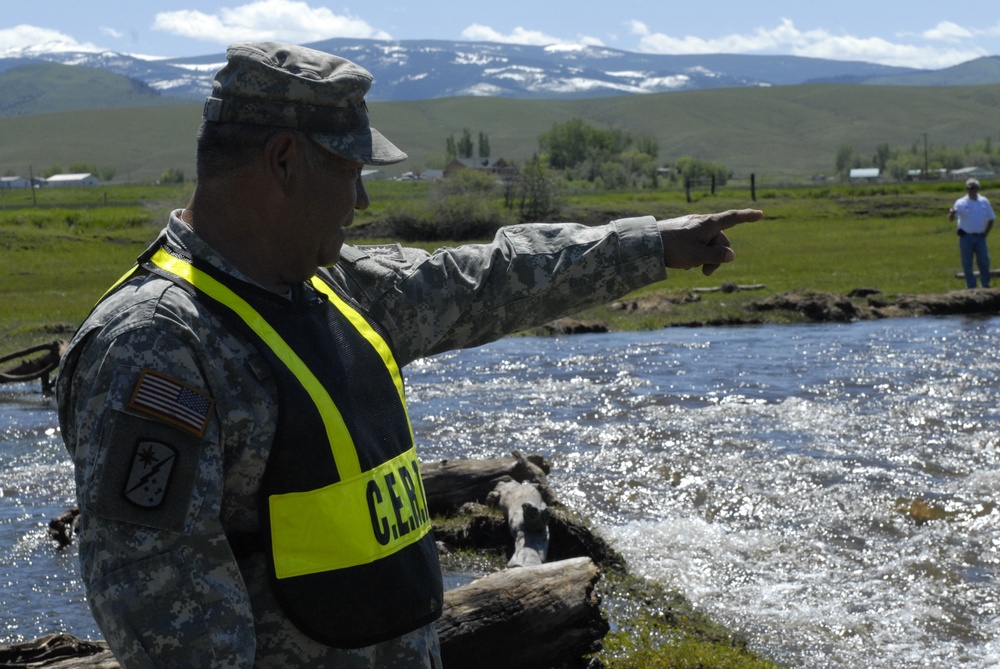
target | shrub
[
  {"x": 456, "y": 219},
  {"x": 462, "y": 207}
]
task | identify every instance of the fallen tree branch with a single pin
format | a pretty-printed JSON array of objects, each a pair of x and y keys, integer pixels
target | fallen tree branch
[
  {"x": 34, "y": 368},
  {"x": 449, "y": 484},
  {"x": 531, "y": 618},
  {"x": 729, "y": 288}
]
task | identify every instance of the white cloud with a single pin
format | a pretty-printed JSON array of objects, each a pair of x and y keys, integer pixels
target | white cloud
[
  {"x": 480, "y": 33},
  {"x": 285, "y": 20},
  {"x": 785, "y": 38},
  {"x": 26, "y": 38},
  {"x": 946, "y": 31}
]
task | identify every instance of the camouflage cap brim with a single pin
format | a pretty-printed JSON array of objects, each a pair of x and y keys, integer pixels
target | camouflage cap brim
[{"x": 367, "y": 146}]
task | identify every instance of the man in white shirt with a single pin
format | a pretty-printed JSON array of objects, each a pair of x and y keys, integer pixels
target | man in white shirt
[{"x": 975, "y": 220}]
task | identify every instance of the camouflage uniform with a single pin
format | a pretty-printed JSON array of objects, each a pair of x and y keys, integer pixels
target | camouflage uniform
[{"x": 160, "y": 494}]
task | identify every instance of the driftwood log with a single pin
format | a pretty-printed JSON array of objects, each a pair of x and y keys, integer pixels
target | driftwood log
[
  {"x": 532, "y": 618},
  {"x": 993, "y": 272},
  {"x": 449, "y": 484},
  {"x": 62, "y": 528},
  {"x": 729, "y": 287},
  {"x": 29, "y": 368},
  {"x": 58, "y": 651}
]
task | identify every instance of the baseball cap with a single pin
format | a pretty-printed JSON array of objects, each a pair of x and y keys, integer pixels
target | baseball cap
[{"x": 291, "y": 86}]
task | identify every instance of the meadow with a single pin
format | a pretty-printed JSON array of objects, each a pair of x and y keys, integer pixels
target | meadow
[{"x": 64, "y": 247}]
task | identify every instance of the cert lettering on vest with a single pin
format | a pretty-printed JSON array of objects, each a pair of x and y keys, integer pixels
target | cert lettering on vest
[{"x": 363, "y": 519}]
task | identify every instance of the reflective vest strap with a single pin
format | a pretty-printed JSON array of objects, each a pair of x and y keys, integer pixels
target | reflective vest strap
[
  {"x": 341, "y": 443},
  {"x": 125, "y": 277},
  {"x": 373, "y": 337},
  {"x": 349, "y": 523}
]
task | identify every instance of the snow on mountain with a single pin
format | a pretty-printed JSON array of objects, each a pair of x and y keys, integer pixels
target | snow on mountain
[{"x": 424, "y": 69}]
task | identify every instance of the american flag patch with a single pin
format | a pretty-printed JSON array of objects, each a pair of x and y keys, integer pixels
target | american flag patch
[{"x": 170, "y": 400}]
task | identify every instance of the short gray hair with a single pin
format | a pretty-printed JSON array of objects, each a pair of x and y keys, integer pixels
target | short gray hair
[{"x": 224, "y": 149}]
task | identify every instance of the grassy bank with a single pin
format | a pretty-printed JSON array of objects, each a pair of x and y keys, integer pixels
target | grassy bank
[
  {"x": 63, "y": 249},
  {"x": 893, "y": 238}
]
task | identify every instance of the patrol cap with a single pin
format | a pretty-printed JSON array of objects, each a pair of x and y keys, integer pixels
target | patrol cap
[{"x": 291, "y": 86}]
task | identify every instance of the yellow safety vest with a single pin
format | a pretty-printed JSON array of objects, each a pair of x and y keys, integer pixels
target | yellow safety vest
[{"x": 353, "y": 559}]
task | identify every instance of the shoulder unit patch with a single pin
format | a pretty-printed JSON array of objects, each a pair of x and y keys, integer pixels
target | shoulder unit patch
[{"x": 149, "y": 475}]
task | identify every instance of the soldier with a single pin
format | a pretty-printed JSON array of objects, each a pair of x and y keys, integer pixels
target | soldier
[{"x": 245, "y": 467}]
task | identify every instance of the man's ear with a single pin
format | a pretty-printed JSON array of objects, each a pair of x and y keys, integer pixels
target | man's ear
[{"x": 280, "y": 154}]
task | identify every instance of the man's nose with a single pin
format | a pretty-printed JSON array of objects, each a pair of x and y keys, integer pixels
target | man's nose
[{"x": 362, "y": 201}]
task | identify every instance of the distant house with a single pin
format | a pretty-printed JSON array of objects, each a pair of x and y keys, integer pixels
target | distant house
[
  {"x": 500, "y": 167},
  {"x": 14, "y": 182},
  {"x": 864, "y": 174},
  {"x": 972, "y": 173},
  {"x": 426, "y": 175},
  {"x": 58, "y": 180}
]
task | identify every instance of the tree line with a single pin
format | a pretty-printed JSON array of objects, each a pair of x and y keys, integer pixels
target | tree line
[
  {"x": 920, "y": 157},
  {"x": 474, "y": 204}
]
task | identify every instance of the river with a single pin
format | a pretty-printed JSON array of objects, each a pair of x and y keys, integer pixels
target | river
[{"x": 827, "y": 490}]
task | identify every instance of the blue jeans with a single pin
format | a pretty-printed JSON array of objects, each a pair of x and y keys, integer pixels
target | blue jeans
[{"x": 975, "y": 245}]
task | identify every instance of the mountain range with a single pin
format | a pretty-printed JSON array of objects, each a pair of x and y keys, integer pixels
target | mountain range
[{"x": 430, "y": 69}]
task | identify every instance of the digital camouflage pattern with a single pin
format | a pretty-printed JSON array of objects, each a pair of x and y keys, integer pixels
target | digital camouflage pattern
[
  {"x": 162, "y": 579},
  {"x": 290, "y": 86}
]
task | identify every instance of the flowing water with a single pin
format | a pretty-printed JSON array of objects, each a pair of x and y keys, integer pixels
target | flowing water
[{"x": 829, "y": 491}]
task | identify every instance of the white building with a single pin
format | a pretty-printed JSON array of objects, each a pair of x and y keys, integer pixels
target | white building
[
  {"x": 864, "y": 174},
  {"x": 973, "y": 172},
  {"x": 73, "y": 180},
  {"x": 14, "y": 182}
]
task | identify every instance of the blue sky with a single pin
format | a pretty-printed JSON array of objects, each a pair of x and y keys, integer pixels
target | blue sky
[{"x": 917, "y": 33}]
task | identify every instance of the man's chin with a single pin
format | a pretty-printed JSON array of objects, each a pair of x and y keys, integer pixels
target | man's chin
[{"x": 331, "y": 257}]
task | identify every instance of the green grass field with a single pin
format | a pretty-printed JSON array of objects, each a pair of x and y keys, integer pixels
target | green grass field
[{"x": 63, "y": 252}]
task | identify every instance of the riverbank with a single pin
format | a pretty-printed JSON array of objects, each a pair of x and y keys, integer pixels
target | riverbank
[{"x": 661, "y": 310}]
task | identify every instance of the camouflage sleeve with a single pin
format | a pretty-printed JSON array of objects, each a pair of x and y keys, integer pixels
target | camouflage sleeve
[
  {"x": 530, "y": 274},
  {"x": 138, "y": 413}
]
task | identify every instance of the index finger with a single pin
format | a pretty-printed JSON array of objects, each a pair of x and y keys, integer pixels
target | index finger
[{"x": 728, "y": 219}]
